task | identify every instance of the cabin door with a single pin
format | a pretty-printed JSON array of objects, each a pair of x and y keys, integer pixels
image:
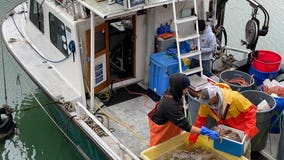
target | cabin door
[
  {"x": 122, "y": 48},
  {"x": 101, "y": 76}
]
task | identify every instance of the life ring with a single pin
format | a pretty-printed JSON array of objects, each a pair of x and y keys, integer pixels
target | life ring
[{"x": 6, "y": 124}]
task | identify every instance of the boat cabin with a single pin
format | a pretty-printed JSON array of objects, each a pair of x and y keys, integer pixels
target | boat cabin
[{"x": 121, "y": 37}]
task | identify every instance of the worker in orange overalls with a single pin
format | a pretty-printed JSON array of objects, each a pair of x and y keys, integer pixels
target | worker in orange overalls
[
  {"x": 167, "y": 119},
  {"x": 227, "y": 107}
]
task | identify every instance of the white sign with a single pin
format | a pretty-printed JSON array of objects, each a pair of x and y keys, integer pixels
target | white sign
[{"x": 100, "y": 70}]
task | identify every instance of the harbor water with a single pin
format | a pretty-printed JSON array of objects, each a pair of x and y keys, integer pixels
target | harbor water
[{"x": 36, "y": 136}]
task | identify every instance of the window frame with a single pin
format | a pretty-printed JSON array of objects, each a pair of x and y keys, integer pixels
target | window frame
[{"x": 36, "y": 15}]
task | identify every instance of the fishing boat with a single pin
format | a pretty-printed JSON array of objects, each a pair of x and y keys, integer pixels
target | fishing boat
[{"x": 92, "y": 59}]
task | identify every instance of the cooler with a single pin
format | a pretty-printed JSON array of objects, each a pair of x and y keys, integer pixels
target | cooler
[
  {"x": 162, "y": 65},
  {"x": 231, "y": 146}
]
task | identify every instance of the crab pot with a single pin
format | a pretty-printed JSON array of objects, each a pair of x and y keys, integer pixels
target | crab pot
[
  {"x": 229, "y": 76},
  {"x": 263, "y": 118}
]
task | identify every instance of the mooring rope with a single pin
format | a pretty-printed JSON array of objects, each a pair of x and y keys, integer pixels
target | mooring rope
[
  {"x": 43, "y": 108},
  {"x": 50, "y": 117}
]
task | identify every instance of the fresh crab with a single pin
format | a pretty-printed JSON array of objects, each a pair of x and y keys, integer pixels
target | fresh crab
[{"x": 228, "y": 133}]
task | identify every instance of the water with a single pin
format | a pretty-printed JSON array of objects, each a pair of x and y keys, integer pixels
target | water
[{"x": 38, "y": 138}]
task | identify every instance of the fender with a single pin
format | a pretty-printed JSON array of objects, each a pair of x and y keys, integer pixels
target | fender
[{"x": 7, "y": 123}]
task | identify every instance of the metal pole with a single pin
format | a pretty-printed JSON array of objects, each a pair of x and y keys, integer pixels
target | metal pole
[{"x": 92, "y": 60}]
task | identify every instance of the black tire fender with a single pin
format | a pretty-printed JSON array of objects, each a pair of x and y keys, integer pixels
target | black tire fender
[{"x": 7, "y": 123}]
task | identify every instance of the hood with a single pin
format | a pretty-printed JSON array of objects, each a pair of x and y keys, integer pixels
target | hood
[{"x": 178, "y": 82}]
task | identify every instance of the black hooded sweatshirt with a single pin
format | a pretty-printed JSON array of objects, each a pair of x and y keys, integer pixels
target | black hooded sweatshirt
[{"x": 170, "y": 107}]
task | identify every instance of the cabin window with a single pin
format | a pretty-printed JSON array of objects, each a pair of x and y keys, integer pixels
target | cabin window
[
  {"x": 58, "y": 34},
  {"x": 100, "y": 42},
  {"x": 36, "y": 15}
]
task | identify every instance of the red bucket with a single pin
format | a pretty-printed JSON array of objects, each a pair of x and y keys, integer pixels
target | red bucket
[{"x": 267, "y": 61}]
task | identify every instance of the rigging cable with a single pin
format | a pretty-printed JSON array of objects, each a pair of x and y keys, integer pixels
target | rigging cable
[
  {"x": 4, "y": 75},
  {"x": 37, "y": 100},
  {"x": 50, "y": 117}
]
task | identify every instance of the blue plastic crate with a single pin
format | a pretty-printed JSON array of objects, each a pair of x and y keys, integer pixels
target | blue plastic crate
[
  {"x": 259, "y": 76},
  {"x": 230, "y": 146},
  {"x": 162, "y": 65}
]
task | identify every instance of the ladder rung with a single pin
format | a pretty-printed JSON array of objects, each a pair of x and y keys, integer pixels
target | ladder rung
[
  {"x": 190, "y": 54},
  {"x": 192, "y": 36},
  {"x": 192, "y": 70},
  {"x": 186, "y": 19}
]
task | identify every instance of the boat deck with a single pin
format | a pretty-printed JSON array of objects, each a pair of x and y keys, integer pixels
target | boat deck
[{"x": 131, "y": 126}]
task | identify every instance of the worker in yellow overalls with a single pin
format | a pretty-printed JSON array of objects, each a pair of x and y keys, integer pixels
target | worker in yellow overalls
[{"x": 227, "y": 107}]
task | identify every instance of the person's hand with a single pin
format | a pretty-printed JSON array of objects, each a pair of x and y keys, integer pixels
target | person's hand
[
  {"x": 247, "y": 137},
  {"x": 190, "y": 146},
  {"x": 194, "y": 93},
  {"x": 194, "y": 48},
  {"x": 210, "y": 133}
]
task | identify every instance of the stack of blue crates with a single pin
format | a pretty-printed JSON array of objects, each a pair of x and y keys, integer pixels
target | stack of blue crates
[{"x": 162, "y": 65}]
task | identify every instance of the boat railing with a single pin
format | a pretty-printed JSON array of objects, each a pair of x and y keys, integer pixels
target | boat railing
[{"x": 82, "y": 112}]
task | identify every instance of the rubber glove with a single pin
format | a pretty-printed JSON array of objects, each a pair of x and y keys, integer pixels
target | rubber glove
[{"x": 210, "y": 133}]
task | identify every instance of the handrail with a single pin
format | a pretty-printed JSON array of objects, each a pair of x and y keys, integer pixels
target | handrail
[{"x": 237, "y": 49}]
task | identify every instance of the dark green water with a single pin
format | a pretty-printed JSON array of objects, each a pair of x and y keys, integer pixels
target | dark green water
[{"x": 36, "y": 136}]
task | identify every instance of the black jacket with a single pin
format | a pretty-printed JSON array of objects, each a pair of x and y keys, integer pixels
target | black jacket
[{"x": 170, "y": 107}]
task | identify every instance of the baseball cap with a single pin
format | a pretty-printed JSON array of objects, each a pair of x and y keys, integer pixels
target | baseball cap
[{"x": 208, "y": 93}]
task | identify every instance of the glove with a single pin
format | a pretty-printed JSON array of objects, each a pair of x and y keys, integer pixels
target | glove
[{"x": 210, "y": 133}]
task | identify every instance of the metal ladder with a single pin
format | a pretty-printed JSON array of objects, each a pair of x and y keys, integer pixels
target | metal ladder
[{"x": 179, "y": 39}]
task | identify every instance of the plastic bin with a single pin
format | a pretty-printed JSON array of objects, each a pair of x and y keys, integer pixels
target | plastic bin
[
  {"x": 275, "y": 125},
  {"x": 162, "y": 65},
  {"x": 157, "y": 151},
  {"x": 280, "y": 153},
  {"x": 259, "y": 76},
  {"x": 193, "y": 108},
  {"x": 263, "y": 118},
  {"x": 267, "y": 61},
  {"x": 225, "y": 76},
  {"x": 163, "y": 44}
]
